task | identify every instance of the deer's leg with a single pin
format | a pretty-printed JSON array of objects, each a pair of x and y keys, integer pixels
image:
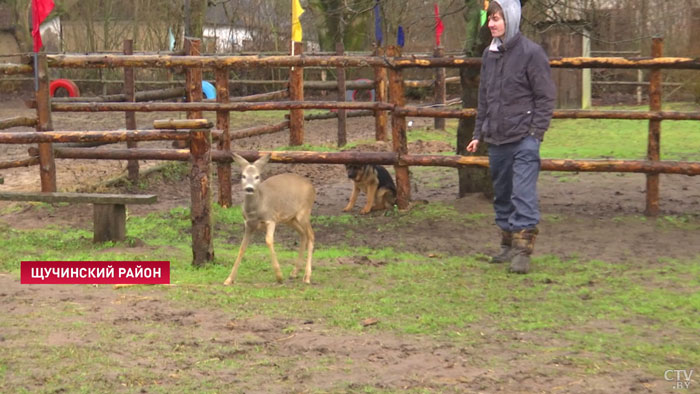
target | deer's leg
[
  {"x": 303, "y": 239},
  {"x": 310, "y": 237},
  {"x": 371, "y": 195},
  {"x": 353, "y": 197},
  {"x": 270, "y": 241},
  {"x": 244, "y": 244}
]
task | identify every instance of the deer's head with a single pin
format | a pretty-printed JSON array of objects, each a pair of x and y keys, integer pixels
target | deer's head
[{"x": 250, "y": 173}]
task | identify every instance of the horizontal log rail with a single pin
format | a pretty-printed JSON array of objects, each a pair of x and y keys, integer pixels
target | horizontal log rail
[
  {"x": 147, "y": 95},
  {"x": 26, "y": 162},
  {"x": 258, "y": 130},
  {"x": 252, "y": 131},
  {"x": 211, "y": 106},
  {"x": 384, "y": 158},
  {"x": 15, "y": 69},
  {"x": 403, "y": 111},
  {"x": 310, "y": 85},
  {"x": 676, "y": 63},
  {"x": 332, "y": 115},
  {"x": 92, "y": 136},
  {"x": 558, "y": 114},
  {"x": 211, "y": 62},
  {"x": 276, "y": 95},
  {"x": 17, "y": 121}
]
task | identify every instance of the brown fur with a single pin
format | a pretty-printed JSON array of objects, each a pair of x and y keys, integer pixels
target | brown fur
[{"x": 281, "y": 199}]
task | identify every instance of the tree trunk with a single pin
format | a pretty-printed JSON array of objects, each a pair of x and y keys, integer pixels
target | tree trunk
[
  {"x": 472, "y": 179},
  {"x": 195, "y": 11}
]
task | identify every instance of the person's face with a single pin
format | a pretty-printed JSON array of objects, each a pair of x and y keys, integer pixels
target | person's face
[{"x": 497, "y": 25}]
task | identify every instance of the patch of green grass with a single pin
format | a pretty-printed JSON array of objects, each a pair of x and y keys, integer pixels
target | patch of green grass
[
  {"x": 449, "y": 135},
  {"x": 621, "y": 138},
  {"x": 613, "y": 312}
]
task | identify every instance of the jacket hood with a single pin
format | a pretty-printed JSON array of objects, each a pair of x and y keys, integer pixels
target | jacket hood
[{"x": 511, "y": 15}]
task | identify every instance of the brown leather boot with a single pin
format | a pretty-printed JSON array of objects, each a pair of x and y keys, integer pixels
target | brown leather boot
[
  {"x": 507, "y": 250},
  {"x": 523, "y": 245}
]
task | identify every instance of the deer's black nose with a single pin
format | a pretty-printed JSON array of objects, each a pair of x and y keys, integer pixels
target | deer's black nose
[{"x": 249, "y": 189}]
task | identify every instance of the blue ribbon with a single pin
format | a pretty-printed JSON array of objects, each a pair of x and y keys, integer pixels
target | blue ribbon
[{"x": 378, "y": 36}]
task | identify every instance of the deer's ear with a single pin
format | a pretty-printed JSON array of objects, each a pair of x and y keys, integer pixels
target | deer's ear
[
  {"x": 240, "y": 160},
  {"x": 260, "y": 163}
]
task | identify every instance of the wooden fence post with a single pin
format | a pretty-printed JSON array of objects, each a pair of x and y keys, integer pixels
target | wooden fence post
[
  {"x": 654, "y": 140},
  {"x": 342, "y": 114},
  {"x": 380, "y": 86},
  {"x": 296, "y": 93},
  {"x": 440, "y": 89},
  {"x": 47, "y": 166},
  {"x": 193, "y": 81},
  {"x": 222, "y": 123},
  {"x": 398, "y": 132},
  {"x": 132, "y": 166},
  {"x": 200, "y": 194}
]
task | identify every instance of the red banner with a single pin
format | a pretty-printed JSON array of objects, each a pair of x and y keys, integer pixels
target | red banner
[
  {"x": 40, "y": 10},
  {"x": 439, "y": 27},
  {"x": 95, "y": 272}
]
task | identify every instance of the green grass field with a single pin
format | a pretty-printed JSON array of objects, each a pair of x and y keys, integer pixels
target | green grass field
[{"x": 601, "y": 314}]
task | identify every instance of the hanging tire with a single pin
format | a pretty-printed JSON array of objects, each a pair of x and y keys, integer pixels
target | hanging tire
[
  {"x": 361, "y": 94},
  {"x": 67, "y": 84},
  {"x": 208, "y": 90}
]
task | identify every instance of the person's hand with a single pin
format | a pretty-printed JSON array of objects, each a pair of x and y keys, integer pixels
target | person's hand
[{"x": 473, "y": 146}]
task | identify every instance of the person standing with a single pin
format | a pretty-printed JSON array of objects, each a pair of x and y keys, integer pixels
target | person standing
[{"x": 516, "y": 102}]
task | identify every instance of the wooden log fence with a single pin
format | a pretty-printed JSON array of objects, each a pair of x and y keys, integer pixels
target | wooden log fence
[
  {"x": 399, "y": 111},
  {"x": 406, "y": 110},
  {"x": 209, "y": 62},
  {"x": 383, "y": 158}
]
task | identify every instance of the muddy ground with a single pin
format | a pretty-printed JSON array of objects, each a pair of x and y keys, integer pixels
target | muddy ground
[{"x": 590, "y": 216}]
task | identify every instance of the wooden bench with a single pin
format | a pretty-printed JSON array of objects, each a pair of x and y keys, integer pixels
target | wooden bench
[{"x": 109, "y": 210}]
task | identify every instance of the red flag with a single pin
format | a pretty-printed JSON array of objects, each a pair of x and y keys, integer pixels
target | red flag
[
  {"x": 40, "y": 10},
  {"x": 439, "y": 27}
]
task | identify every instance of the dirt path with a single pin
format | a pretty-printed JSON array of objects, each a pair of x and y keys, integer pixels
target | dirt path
[{"x": 133, "y": 339}]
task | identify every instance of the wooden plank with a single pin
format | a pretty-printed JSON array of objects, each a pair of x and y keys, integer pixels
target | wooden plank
[{"x": 91, "y": 198}]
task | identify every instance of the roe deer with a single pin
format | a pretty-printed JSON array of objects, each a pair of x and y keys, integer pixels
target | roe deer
[{"x": 284, "y": 198}]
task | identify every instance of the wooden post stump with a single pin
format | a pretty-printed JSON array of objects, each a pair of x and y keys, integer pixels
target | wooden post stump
[{"x": 109, "y": 222}]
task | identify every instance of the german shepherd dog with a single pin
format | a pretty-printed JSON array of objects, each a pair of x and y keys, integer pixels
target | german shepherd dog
[{"x": 375, "y": 182}]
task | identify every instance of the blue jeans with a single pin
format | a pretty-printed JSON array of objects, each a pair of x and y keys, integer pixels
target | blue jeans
[{"x": 514, "y": 171}]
